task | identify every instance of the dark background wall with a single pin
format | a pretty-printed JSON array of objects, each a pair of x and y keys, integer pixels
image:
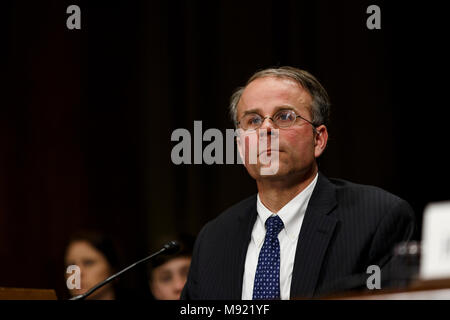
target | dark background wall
[{"x": 86, "y": 115}]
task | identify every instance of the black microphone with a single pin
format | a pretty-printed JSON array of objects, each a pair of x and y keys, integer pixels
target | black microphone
[{"x": 170, "y": 247}]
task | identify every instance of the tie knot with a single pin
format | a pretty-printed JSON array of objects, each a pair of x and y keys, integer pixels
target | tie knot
[{"x": 274, "y": 225}]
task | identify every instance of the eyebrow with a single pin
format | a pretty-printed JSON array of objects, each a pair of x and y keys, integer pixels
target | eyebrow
[
  {"x": 277, "y": 108},
  {"x": 165, "y": 272}
]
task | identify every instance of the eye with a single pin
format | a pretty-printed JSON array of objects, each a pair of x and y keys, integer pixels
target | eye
[
  {"x": 285, "y": 116},
  {"x": 166, "y": 277},
  {"x": 252, "y": 120},
  {"x": 88, "y": 262},
  {"x": 184, "y": 272}
]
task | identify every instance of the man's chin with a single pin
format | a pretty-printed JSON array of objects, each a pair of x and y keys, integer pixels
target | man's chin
[{"x": 272, "y": 171}]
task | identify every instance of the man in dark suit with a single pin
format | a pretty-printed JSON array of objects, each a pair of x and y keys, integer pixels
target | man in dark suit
[{"x": 303, "y": 235}]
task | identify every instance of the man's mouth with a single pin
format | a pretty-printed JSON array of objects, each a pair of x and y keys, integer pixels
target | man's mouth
[{"x": 268, "y": 151}]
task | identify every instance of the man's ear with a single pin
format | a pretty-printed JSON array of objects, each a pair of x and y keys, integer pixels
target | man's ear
[{"x": 320, "y": 140}]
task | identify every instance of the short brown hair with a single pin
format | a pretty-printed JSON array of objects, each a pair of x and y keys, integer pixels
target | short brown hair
[{"x": 320, "y": 106}]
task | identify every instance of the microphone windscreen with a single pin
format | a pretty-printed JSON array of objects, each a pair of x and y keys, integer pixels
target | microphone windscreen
[{"x": 171, "y": 247}]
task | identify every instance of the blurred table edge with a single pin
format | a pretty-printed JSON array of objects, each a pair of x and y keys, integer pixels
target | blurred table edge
[
  {"x": 432, "y": 289},
  {"x": 27, "y": 294}
]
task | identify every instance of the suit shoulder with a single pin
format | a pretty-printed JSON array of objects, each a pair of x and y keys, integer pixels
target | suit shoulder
[
  {"x": 370, "y": 200},
  {"x": 363, "y": 192},
  {"x": 367, "y": 205}
]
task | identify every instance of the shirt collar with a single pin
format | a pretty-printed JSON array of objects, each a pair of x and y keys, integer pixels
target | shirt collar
[{"x": 291, "y": 215}]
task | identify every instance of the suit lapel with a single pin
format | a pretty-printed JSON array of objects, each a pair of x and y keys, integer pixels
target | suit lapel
[
  {"x": 314, "y": 238},
  {"x": 247, "y": 218}
]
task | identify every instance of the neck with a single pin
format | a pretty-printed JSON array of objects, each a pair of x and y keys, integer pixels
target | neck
[
  {"x": 103, "y": 295},
  {"x": 275, "y": 194},
  {"x": 109, "y": 295}
]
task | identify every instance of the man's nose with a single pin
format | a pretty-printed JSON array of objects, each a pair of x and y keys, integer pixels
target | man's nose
[{"x": 267, "y": 126}]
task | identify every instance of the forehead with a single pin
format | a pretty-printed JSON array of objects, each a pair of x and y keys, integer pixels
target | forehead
[
  {"x": 267, "y": 93},
  {"x": 174, "y": 264},
  {"x": 82, "y": 249}
]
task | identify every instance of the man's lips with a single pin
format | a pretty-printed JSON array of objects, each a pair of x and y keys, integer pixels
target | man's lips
[{"x": 269, "y": 151}]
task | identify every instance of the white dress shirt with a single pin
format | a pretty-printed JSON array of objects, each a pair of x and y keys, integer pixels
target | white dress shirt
[{"x": 292, "y": 216}]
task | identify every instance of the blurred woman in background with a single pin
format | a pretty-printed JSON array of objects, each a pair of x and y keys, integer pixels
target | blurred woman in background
[
  {"x": 96, "y": 256},
  {"x": 168, "y": 273}
]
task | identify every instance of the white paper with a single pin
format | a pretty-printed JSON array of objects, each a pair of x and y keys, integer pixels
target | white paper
[{"x": 435, "y": 257}]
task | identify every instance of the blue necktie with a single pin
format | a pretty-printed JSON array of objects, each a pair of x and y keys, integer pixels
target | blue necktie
[{"x": 267, "y": 277}]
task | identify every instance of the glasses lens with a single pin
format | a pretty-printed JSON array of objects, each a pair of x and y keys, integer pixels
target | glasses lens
[
  {"x": 285, "y": 118},
  {"x": 251, "y": 121}
]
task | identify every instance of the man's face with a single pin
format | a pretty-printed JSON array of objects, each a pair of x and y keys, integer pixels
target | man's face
[{"x": 299, "y": 145}]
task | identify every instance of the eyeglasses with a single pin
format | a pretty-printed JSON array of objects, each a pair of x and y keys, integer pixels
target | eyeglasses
[{"x": 282, "y": 119}]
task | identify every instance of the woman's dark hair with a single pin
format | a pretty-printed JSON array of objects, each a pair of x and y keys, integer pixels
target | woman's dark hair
[
  {"x": 104, "y": 244},
  {"x": 129, "y": 287},
  {"x": 101, "y": 242}
]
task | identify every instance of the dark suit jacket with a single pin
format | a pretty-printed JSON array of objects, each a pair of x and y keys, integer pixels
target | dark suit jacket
[{"x": 346, "y": 228}]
